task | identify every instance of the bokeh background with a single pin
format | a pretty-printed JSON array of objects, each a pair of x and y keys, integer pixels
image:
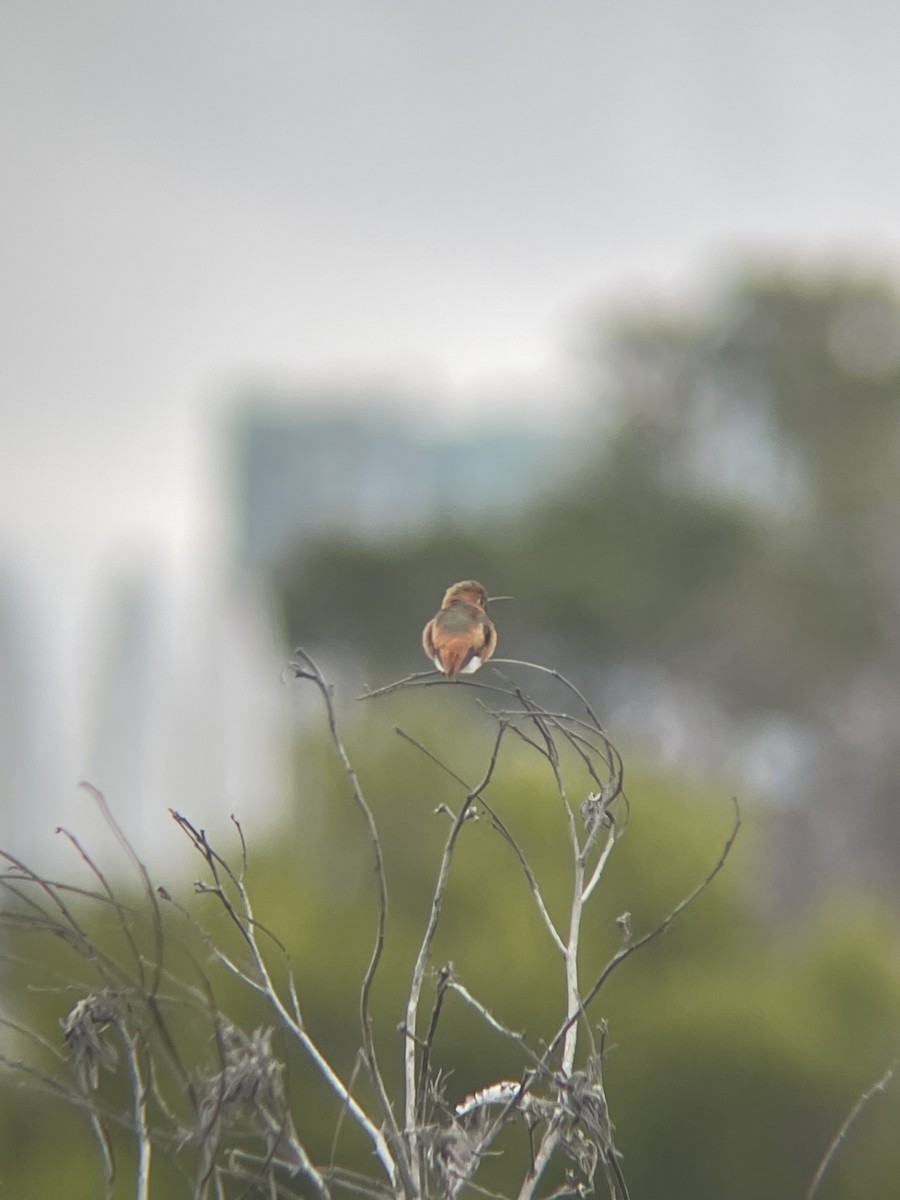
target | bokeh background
[{"x": 310, "y": 309}]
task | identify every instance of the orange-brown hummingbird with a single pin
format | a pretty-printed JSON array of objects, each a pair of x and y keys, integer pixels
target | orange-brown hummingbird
[{"x": 461, "y": 637}]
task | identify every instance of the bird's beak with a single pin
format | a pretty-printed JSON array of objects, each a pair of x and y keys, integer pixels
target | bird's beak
[{"x": 492, "y": 599}]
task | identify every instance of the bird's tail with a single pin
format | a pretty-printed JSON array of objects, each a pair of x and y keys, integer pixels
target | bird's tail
[{"x": 455, "y": 655}]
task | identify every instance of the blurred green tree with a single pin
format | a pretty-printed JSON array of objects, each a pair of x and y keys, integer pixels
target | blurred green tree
[{"x": 733, "y": 533}]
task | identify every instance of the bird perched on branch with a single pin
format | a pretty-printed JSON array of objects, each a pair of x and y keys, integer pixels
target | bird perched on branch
[{"x": 461, "y": 637}]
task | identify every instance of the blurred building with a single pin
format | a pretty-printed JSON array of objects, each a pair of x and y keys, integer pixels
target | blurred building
[
  {"x": 25, "y": 714},
  {"x": 300, "y": 474},
  {"x": 164, "y": 688}
]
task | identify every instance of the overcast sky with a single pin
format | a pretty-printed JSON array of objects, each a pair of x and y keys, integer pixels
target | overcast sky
[{"x": 201, "y": 192}]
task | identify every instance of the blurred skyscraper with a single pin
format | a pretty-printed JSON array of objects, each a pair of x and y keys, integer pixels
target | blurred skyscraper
[
  {"x": 26, "y": 716},
  {"x": 300, "y": 476}
]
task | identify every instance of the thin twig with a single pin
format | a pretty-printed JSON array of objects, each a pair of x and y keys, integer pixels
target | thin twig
[
  {"x": 291, "y": 1020},
  {"x": 444, "y": 978},
  {"x": 434, "y": 758},
  {"x": 149, "y": 891},
  {"x": 529, "y": 874},
  {"x": 834, "y": 1145},
  {"x": 126, "y": 916},
  {"x": 306, "y": 668},
  {"x": 139, "y": 1099},
  {"x": 418, "y": 976},
  {"x": 611, "y": 839},
  {"x": 501, "y": 828},
  {"x": 519, "y": 1038},
  {"x": 632, "y": 946},
  {"x": 548, "y": 726}
]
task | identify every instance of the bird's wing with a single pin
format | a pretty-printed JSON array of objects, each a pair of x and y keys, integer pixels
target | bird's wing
[
  {"x": 428, "y": 639},
  {"x": 490, "y": 640}
]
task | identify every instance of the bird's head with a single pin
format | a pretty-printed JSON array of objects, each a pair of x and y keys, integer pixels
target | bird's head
[{"x": 469, "y": 591}]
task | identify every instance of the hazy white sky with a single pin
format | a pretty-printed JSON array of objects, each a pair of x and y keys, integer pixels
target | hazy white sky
[{"x": 198, "y": 192}]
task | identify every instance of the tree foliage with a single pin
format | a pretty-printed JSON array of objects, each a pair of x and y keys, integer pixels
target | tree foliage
[{"x": 728, "y": 530}]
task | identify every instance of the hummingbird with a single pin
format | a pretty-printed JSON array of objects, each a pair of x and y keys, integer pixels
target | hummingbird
[{"x": 461, "y": 637}]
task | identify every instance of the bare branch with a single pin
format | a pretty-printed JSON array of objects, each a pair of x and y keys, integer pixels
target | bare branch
[
  {"x": 305, "y": 668},
  {"x": 529, "y": 874},
  {"x": 434, "y": 916},
  {"x": 834, "y": 1145},
  {"x": 100, "y": 801},
  {"x": 139, "y": 1097},
  {"x": 290, "y": 1017},
  {"x": 410, "y": 680},
  {"x": 444, "y": 978},
  {"x": 501, "y": 828},
  {"x": 632, "y": 946},
  {"x": 519, "y": 1038},
  {"x": 122, "y": 1025},
  {"x": 596, "y": 875}
]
